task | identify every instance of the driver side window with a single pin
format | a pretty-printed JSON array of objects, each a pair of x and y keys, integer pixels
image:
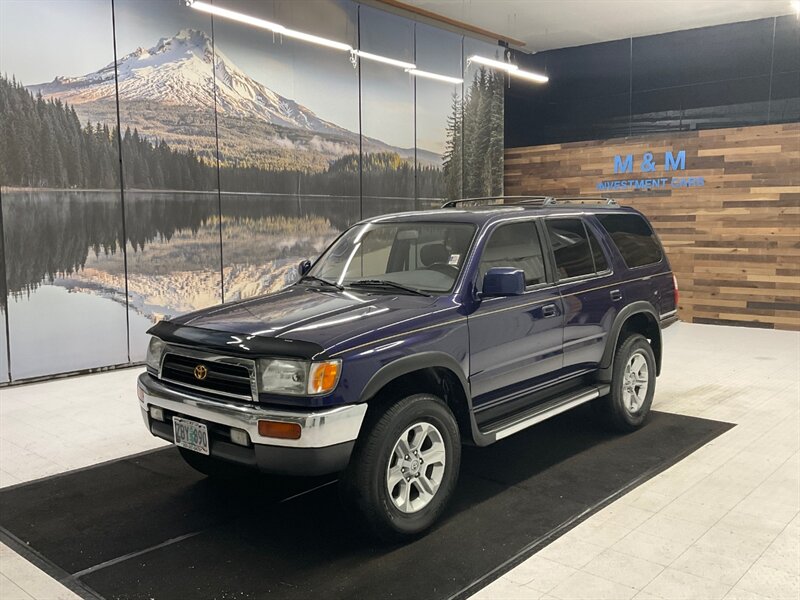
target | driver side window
[{"x": 514, "y": 245}]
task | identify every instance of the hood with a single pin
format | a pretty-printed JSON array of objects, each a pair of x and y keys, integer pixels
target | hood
[{"x": 300, "y": 320}]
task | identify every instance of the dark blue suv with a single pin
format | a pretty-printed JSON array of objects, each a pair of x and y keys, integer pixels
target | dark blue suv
[{"x": 411, "y": 335}]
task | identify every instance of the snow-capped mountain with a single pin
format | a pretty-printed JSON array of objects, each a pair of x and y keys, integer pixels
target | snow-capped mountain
[{"x": 180, "y": 71}]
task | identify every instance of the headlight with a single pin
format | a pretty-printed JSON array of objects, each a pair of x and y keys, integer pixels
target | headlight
[
  {"x": 297, "y": 377},
  {"x": 154, "y": 351}
]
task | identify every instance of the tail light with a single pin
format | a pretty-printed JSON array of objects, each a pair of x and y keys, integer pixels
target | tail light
[{"x": 675, "y": 290}]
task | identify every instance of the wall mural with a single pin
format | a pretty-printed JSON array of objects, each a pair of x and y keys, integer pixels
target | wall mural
[
  {"x": 62, "y": 211},
  {"x": 482, "y": 114},
  {"x": 241, "y": 154},
  {"x": 288, "y": 153},
  {"x": 438, "y": 115}
]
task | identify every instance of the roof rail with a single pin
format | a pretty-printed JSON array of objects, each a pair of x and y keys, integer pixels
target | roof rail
[
  {"x": 533, "y": 201},
  {"x": 585, "y": 200},
  {"x": 515, "y": 200}
]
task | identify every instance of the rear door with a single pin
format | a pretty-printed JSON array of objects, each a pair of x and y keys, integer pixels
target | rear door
[
  {"x": 648, "y": 272},
  {"x": 515, "y": 341},
  {"x": 588, "y": 289}
]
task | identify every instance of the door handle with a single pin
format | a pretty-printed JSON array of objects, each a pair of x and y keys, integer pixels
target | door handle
[
  {"x": 616, "y": 295},
  {"x": 549, "y": 310}
]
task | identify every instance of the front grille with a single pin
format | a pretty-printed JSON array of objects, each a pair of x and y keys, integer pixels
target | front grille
[{"x": 221, "y": 378}]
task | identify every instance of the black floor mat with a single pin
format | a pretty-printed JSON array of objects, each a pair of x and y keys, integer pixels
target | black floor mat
[{"x": 149, "y": 527}]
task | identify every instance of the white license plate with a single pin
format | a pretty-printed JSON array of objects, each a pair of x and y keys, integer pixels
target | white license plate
[{"x": 190, "y": 435}]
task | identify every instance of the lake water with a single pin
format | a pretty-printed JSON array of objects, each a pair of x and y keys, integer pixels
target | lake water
[{"x": 71, "y": 294}]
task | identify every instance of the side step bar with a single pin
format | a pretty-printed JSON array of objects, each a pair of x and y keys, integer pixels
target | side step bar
[{"x": 539, "y": 413}]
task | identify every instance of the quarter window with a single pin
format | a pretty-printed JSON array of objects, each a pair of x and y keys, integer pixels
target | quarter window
[
  {"x": 577, "y": 250},
  {"x": 515, "y": 245},
  {"x": 633, "y": 237}
]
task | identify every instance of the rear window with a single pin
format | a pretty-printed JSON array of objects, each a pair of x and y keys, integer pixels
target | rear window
[
  {"x": 634, "y": 238},
  {"x": 576, "y": 250}
]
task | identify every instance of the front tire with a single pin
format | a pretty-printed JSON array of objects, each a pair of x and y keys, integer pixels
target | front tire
[
  {"x": 404, "y": 467},
  {"x": 633, "y": 385}
]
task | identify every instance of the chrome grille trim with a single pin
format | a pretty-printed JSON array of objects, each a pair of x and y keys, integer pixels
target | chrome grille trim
[{"x": 209, "y": 357}]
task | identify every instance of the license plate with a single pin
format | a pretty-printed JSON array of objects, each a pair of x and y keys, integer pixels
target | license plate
[{"x": 190, "y": 435}]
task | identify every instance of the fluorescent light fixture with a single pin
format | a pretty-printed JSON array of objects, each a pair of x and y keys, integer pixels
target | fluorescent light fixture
[
  {"x": 268, "y": 25},
  {"x": 512, "y": 70},
  {"x": 235, "y": 16},
  {"x": 315, "y": 39},
  {"x": 385, "y": 59},
  {"x": 490, "y": 62},
  {"x": 796, "y": 7},
  {"x": 436, "y": 76},
  {"x": 292, "y": 33},
  {"x": 530, "y": 76}
]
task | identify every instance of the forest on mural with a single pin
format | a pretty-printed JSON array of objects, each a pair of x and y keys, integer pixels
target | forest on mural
[
  {"x": 475, "y": 139},
  {"x": 44, "y": 145}
]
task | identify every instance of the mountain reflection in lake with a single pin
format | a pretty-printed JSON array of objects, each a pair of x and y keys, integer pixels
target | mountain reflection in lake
[{"x": 66, "y": 274}]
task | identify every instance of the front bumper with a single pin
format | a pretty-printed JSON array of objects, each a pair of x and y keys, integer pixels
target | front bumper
[{"x": 324, "y": 446}]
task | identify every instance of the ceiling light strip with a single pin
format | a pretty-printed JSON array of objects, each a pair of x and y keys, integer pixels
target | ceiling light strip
[
  {"x": 436, "y": 76},
  {"x": 410, "y": 68},
  {"x": 509, "y": 68},
  {"x": 315, "y": 39},
  {"x": 235, "y": 16},
  {"x": 490, "y": 62},
  {"x": 530, "y": 76},
  {"x": 384, "y": 59}
]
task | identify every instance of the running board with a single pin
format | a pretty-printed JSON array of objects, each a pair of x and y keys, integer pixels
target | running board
[{"x": 542, "y": 412}]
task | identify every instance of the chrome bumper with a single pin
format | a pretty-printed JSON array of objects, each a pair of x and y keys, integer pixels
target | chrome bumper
[{"x": 320, "y": 428}]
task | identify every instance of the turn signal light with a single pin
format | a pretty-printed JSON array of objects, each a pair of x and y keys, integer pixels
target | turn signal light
[
  {"x": 324, "y": 376},
  {"x": 279, "y": 429}
]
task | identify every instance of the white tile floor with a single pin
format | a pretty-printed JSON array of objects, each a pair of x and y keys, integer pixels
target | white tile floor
[{"x": 722, "y": 523}]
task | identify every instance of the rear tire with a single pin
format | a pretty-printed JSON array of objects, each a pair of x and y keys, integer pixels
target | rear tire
[
  {"x": 404, "y": 467},
  {"x": 633, "y": 384}
]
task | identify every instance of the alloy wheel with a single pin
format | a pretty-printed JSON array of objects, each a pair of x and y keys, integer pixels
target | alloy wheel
[
  {"x": 416, "y": 467},
  {"x": 634, "y": 382}
]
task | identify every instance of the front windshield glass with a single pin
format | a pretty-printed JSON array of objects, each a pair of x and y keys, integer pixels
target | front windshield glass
[{"x": 425, "y": 256}]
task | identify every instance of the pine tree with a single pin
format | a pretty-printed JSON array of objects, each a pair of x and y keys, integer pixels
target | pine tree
[{"x": 453, "y": 155}]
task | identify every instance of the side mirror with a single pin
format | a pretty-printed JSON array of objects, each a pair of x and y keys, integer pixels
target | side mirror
[
  {"x": 304, "y": 267},
  {"x": 503, "y": 281}
]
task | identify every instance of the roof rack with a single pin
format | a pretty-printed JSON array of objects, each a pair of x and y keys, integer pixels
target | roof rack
[
  {"x": 515, "y": 200},
  {"x": 533, "y": 201},
  {"x": 585, "y": 200}
]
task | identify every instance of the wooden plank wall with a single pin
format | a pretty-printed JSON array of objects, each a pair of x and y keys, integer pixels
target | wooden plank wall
[{"x": 734, "y": 244}]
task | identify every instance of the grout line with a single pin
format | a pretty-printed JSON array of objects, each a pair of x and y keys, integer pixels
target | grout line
[{"x": 531, "y": 548}]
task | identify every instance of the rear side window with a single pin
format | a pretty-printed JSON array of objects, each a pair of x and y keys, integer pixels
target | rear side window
[
  {"x": 576, "y": 250},
  {"x": 634, "y": 238}
]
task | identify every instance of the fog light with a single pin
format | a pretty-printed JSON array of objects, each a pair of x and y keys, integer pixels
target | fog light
[
  {"x": 157, "y": 413},
  {"x": 239, "y": 436},
  {"x": 278, "y": 429}
]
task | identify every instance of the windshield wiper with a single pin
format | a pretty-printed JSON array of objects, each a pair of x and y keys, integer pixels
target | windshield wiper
[
  {"x": 385, "y": 283},
  {"x": 321, "y": 280}
]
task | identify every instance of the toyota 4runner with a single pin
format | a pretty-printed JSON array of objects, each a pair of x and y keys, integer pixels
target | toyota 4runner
[{"x": 411, "y": 335}]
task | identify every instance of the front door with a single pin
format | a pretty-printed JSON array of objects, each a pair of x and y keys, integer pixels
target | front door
[{"x": 515, "y": 341}]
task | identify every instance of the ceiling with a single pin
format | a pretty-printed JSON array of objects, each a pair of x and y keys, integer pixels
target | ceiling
[{"x": 547, "y": 24}]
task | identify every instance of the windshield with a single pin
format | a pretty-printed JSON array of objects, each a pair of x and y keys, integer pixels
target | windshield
[{"x": 425, "y": 256}]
